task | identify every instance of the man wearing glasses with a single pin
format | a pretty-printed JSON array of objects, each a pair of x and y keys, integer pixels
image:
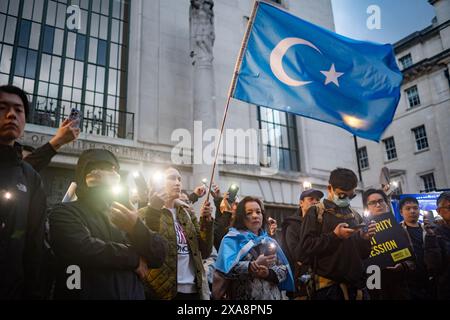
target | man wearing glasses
[
  {"x": 393, "y": 279},
  {"x": 334, "y": 242},
  {"x": 437, "y": 248}
]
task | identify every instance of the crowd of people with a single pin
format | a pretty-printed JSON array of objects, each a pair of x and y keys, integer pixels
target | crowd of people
[{"x": 160, "y": 247}]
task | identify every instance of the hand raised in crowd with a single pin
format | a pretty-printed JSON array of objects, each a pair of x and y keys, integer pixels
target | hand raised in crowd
[
  {"x": 371, "y": 230},
  {"x": 272, "y": 226},
  {"x": 215, "y": 191},
  {"x": 224, "y": 204},
  {"x": 124, "y": 218},
  {"x": 200, "y": 191},
  {"x": 342, "y": 232},
  {"x": 142, "y": 268},
  {"x": 65, "y": 134},
  {"x": 205, "y": 211}
]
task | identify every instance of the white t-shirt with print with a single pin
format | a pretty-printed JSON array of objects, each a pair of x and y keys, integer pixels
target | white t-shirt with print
[{"x": 186, "y": 267}]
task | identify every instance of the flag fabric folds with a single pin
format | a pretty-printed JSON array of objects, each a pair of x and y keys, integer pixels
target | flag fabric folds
[{"x": 295, "y": 66}]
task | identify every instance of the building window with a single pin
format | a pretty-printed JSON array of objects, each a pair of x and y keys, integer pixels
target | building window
[
  {"x": 63, "y": 69},
  {"x": 420, "y": 135},
  {"x": 80, "y": 47},
  {"x": 49, "y": 35},
  {"x": 413, "y": 96},
  {"x": 406, "y": 61},
  {"x": 363, "y": 158},
  {"x": 428, "y": 182},
  {"x": 278, "y": 139},
  {"x": 391, "y": 152}
]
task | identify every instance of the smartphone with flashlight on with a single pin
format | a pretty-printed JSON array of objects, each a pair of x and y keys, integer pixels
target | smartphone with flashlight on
[
  {"x": 140, "y": 182},
  {"x": 121, "y": 195},
  {"x": 270, "y": 248},
  {"x": 232, "y": 193},
  {"x": 75, "y": 116},
  {"x": 205, "y": 183},
  {"x": 157, "y": 181}
]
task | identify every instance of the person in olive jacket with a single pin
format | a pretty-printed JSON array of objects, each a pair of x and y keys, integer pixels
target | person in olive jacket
[{"x": 182, "y": 275}]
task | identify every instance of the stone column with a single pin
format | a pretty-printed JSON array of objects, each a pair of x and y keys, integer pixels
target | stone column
[{"x": 201, "y": 18}]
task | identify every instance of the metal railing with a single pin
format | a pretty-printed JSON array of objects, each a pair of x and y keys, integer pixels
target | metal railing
[{"x": 51, "y": 112}]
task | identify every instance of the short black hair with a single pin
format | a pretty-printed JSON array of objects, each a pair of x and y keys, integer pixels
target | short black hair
[
  {"x": 18, "y": 92},
  {"x": 406, "y": 200},
  {"x": 443, "y": 196},
  {"x": 239, "y": 220},
  {"x": 343, "y": 178},
  {"x": 370, "y": 192}
]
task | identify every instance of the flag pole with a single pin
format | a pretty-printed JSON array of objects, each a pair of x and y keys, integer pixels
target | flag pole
[
  {"x": 357, "y": 158},
  {"x": 232, "y": 87}
]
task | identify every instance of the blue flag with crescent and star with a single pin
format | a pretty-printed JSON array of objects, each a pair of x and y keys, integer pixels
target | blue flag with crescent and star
[{"x": 295, "y": 66}]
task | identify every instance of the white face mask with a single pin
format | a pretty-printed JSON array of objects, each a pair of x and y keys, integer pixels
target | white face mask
[
  {"x": 342, "y": 203},
  {"x": 99, "y": 177}
]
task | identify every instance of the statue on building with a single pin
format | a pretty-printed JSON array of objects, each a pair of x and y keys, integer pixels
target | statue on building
[{"x": 201, "y": 18}]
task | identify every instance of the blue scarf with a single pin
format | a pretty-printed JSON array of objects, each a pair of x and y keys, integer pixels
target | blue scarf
[{"x": 236, "y": 245}]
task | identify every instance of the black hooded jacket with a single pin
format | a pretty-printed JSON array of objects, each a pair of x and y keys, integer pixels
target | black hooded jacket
[
  {"x": 82, "y": 235},
  {"x": 22, "y": 227},
  {"x": 340, "y": 260},
  {"x": 290, "y": 237}
]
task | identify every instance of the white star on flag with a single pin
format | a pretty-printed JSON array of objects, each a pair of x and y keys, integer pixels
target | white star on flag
[{"x": 332, "y": 75}]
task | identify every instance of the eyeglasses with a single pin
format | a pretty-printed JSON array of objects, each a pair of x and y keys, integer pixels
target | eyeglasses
[
  {"x": 343, "y": 196},
  {"x": 375, "y": 202}
]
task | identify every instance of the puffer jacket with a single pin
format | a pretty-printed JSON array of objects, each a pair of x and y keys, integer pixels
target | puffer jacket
[{"x": 162, "y": 282}]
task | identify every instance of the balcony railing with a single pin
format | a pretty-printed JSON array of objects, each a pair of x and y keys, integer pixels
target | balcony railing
[{"x": 51, "y": 112}]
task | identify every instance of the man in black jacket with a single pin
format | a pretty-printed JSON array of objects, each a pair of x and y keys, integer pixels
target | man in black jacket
[
  {"x": 333, "y": 245},
  {"x": 107, "y": 241},
  {"x": 437, "y": 247},
  {"x": 22, "y": 206},
  {"x": 291, "y": 228}
]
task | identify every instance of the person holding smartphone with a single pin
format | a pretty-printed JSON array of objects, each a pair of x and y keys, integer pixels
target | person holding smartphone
[
  {"x": 253, "y": 261},
  {"x": 182, "y": 276},
  {"x": 22, "y": 206},
  {"x": 102, "y": 235},
  {"x": 335, "y": 251},
  {"x": 40, "y": 158}
]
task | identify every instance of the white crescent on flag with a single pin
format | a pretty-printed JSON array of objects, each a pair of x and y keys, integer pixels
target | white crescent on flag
[{"x": 276, "y": 60}]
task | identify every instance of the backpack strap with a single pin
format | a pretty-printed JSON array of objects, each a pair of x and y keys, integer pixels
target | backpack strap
[
  {"x": 320, "y": 210},
  {"x": 358, "y": 217}
]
